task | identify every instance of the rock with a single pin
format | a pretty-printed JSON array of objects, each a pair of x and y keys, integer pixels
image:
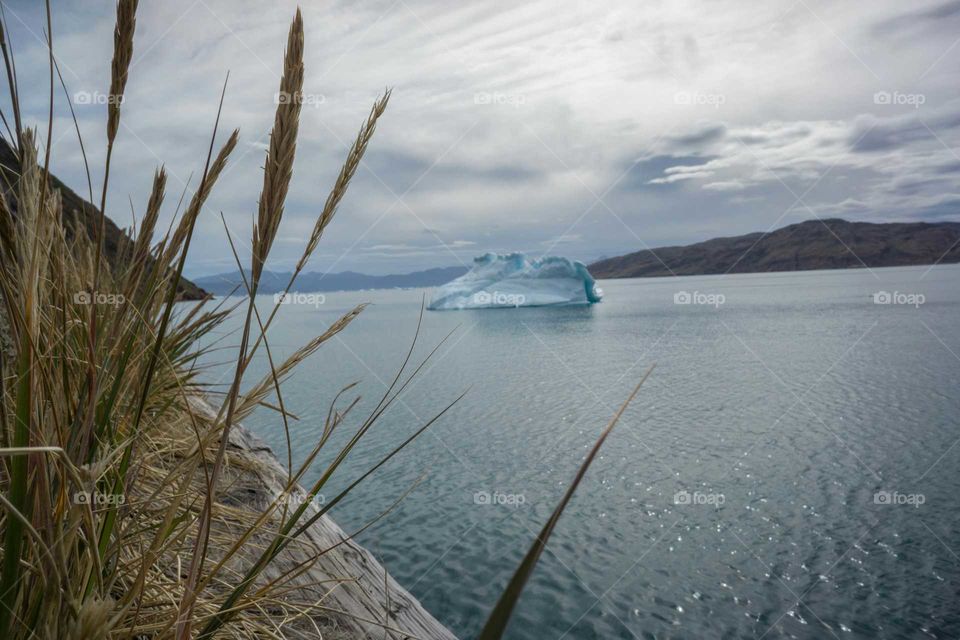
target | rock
[{"x": 354, "y": 608}]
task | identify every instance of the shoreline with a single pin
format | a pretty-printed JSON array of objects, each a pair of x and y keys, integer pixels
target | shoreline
[{"x": 353, "y": 589}]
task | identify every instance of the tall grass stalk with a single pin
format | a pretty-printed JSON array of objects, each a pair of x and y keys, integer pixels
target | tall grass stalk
[
  {"x": 111, "y": 466},
  {"x": 99, "y": 400}
]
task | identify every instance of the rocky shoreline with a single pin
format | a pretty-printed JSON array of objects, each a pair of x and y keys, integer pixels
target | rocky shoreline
[{"x": 356, "y": 597}]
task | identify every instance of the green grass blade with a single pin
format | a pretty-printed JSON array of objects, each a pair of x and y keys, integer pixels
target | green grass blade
[
  {"x": 13, "y": 535},
  {"x": 500, "y": 616}
]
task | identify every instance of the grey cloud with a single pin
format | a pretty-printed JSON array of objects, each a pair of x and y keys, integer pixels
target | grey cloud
[
  {"x": 947, "y": 209},
  {"x": 701, "y": 137},
  {"x": 913, "y": 186},
  {"x": 870, "y": 133},
  {"x": 754, "y": 138},
  {"x": 910, "y": 21},
  {"x": 948, "y": 167},
  {"x": 401, "y": 170},
  {"x": 599, "y": 91}
]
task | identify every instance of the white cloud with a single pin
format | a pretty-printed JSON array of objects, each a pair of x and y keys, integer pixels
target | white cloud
[{"x": 725, "y": 185}]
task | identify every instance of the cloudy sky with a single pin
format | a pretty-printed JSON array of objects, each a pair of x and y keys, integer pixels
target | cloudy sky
[{"x": 575, "y": 128}]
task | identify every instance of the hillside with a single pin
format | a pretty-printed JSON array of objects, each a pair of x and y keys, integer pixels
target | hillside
[
  {"x": 76, "y": 209},
  {"x": 273, "y": 281},
  {"x": 814, "y": 244}
]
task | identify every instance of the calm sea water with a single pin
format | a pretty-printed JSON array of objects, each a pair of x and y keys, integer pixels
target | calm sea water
[{"x": 789, "y": 470}]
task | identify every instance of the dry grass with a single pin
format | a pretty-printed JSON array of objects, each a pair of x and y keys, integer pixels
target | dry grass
[
  {"x": 109, "y": 477},
  {"x": 113, "y": 522}
]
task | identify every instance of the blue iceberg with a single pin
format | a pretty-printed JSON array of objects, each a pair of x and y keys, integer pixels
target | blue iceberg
[{"x": 514, "y": 280}]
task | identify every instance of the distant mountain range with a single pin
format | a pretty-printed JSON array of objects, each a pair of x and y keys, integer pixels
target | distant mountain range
[
  {"x": 814, "y": 244},
  {"x": 276, "y": 281}
]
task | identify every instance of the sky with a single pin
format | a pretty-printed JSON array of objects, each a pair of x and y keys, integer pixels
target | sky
[{"x": 580, "y": 129}]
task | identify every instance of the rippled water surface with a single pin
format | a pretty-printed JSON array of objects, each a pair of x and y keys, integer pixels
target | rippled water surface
[{"x": 789, "y": 469}]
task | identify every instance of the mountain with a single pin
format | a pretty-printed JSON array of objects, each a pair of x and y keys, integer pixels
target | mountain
[
  {"x": 814, "y": 244},
  {"x": 274, "y": 281},
  {"x": 77, "y": 211}
]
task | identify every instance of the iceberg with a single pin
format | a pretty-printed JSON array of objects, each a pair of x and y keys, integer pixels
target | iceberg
[{"x": 514, "y": 280}]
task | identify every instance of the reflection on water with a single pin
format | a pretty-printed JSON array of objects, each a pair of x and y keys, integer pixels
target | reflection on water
[{"x": 788, "y": 471}]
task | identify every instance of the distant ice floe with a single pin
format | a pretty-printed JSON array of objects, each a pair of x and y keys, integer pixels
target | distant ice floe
[{"x": 514, "y": 280}]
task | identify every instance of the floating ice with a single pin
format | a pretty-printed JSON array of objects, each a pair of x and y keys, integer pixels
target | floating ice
[{"x": 514, "y": 280}]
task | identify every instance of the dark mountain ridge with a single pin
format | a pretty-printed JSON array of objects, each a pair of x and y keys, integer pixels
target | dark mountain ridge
[
  {"x": 275, "y": 281},
  {"x": 79, "y": 212},
  {"x": 814, "y": 244}
]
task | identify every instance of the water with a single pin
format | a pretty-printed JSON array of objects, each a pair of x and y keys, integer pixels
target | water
[{"x": 789, "y": 470}]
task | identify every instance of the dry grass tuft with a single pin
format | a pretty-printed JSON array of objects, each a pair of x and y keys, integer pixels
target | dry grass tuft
[
  {"x": 122, "y": 56},
  {"x": 111, "y": 522},
  {"x": 278, "y": 169}
]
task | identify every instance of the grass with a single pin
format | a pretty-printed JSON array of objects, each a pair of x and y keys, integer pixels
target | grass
[{"x": 110, "y": 475}]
